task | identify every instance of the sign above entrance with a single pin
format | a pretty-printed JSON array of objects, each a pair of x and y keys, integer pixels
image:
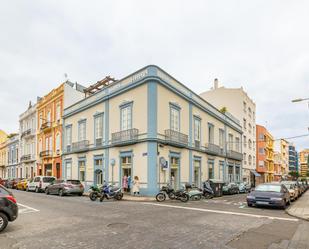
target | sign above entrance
[{"x": 163, "y": 163}]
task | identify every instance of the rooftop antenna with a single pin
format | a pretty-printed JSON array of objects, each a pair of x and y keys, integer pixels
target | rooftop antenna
[{"x": 66, "y": 76}]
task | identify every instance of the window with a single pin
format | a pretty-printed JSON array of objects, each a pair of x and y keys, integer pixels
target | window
[
  {"x": 261, "y": 137},
  {"x": 58, "y": 142},
  {"x": 82, "y": 130},
  {"x": 221, "y": 138},
  {"x": 46, "y": 143},
  {"x": 250, "y": 143},
  {"x": 81, "y": 166},
  {"x": 98, "y": 127},
  {"x": 40, "y": 145},
  {"x": 175, "y": 119},
  {"x": 230, "y": 142},
  {"x": 210, "y": 133},
  {"x": 261, "y": 151},
  {"x": 68, "y": 171},
  {"x": 50, "y": 146},
  {"x": 249, "y": 112},
  {"x": 237, "y": 144},
  {"x": 245, "y": 124},
  {"x": 250, "y": 127},
  {"x": 126, "y": 118},
  {"x": 68, "y": 134},
  {"x": 197, "y": 129},
  {"x": 245, "y": 141},
  {"x": 245, "y": 106},
  {"x": 210, "y": 170},
  {"x": 40, "y": 119},
  {"x": 58, "y": 111},
  {"x": 245, "y": 158},
  {"x": 253, "y": 160},
  {"x": 250, "y": 159},
  {"x": 48, "y": 116}
]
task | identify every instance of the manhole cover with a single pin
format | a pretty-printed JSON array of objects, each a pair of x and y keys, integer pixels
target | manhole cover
[{"x": 118, "y": 225}]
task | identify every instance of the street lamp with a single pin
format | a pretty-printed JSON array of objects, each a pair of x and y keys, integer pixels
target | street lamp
[{"x": 299, "y": 100}]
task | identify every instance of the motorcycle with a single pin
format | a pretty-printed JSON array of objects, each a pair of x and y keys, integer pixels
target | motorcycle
[
  {"x": 181, "y": 194},
  {"x": 194, "y": 192},
  {"x": 105, "y": 191},
  {"x": 207, "y": 190}
]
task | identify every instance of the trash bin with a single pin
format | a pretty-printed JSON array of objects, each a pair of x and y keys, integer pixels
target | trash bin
[{"x": 216, "y": 186}]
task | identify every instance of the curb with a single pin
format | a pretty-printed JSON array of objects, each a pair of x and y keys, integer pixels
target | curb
[
  {"x": 128, "y": 199},
  {"x": 295, "y": 216}
]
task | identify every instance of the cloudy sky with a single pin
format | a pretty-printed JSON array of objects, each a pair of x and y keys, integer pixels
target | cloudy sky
[{"x": 260, "y": 45}]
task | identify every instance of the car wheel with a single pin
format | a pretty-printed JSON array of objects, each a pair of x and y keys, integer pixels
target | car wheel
[
  {"x": 47, "y": 191},
  {"x": 249, "y": 204},
  {"x": 61, "y": 192},
  {"x": 3, "y": 221},
  {"x": 284, "y": 205},
  {"x": 36, "y": 189}
]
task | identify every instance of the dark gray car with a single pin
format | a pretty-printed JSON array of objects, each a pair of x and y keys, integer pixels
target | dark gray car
[
  {"x": 269, "y": 194},
  {"x": 65, "y": 187}
]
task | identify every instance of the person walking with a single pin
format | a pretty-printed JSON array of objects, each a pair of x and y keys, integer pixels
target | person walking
[{"x": 135, "y": 185}]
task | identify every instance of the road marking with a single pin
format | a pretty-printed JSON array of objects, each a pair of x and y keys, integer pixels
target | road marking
[
  {"x": 222, "y": 212},
  {"x": 26, "y": 209}
]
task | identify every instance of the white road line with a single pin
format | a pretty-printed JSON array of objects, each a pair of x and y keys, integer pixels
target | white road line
[
  {"x": 31, "y": 208},
  {"x": 222, "y": 212}
]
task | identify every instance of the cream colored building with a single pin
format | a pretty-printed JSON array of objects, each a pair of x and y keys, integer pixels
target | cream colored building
[
  {"x": 3, "y": 154},
  {"x": 284, "y": 149},
  {"x": 237, "y": 102},
  {"x": 27, "y": 142},
  {"x": 149, "y": 125}
]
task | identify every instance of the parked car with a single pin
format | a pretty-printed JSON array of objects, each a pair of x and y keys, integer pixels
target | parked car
[
  {"x": 230, "y": 188},
  {"x": 22, "y": 185},
  {"x": 40, "y": 183},
  {"x": 293, "y": 189},
  {"x": 8, "y": 207},
  {"x": 12, "y": 183},
  {"x": 301, "y": 187},
  {"x": 243, "y": 187},
  {"x": 269, "y": 194},
  {"x": 4, "y": 182},
  {"x": 65, "y": 187}
]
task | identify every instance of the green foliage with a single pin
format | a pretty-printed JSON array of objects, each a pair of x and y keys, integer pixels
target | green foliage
[{"x": 223, "y": 109}]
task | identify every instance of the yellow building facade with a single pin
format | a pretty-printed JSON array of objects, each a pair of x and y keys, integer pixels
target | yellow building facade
[
  {"x": 270, "y": 173},
  {"x": 303, "y": 159},
  {"x": 3, "y": 154}
]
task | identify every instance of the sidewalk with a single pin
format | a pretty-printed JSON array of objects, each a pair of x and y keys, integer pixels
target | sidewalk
[
  {"x": 300, "y": 208},
  {"x": 127, "y": 197}
]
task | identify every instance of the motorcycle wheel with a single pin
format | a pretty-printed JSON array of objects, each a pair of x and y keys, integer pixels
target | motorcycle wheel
[
  {"x": 172, "y": 196},
  {"x": 196, "y": 197},
  {"x": 102, "y": 198},
  {"x": 208, "y": 196},
  {"x": 119, "y": 196},
  {"x": 93, "y": 196},
  {"x": 184, "y": 197},
  {"x": 160, "y": 197}
]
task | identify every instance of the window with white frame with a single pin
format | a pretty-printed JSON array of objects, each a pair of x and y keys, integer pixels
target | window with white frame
[
  {"x": 250, "y": 143},
  {"x": 221, "y": 138},
  {"x": 68, "y": 134},
  {"x": 210, "y": 133},
  {"x": 175, "y": 117},
  {"x": 230, "y": 142},
  {"x": 82, "y": 130},
  {"x": 98, "y": 126},
  {"x": 126, "y": 117},
  {"x": 58, "y": 111},
  {"x": 197, "y": 129},
  {"x": 68, "y": 172},
  {"x": 237, "y": 144}
]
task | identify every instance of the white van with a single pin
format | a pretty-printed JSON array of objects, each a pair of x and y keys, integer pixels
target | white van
[{"x": 39, "y": 183}]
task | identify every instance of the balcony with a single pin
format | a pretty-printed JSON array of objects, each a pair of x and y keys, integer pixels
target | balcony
[
  {"x": 197, "y": 144},
  {"x": 214, "y": 149},
  {"x": 46, "y": 126},
  {"x": 125, "y": 137},
  {"x": 80, "y": 146},
  {"x": 234, "y": 155},
  {"x": 26, "y": 158},
  {"x": 176, "y": 138},
  {"x": 26, "y": 133},
  {"x": 46, "y": 153}
]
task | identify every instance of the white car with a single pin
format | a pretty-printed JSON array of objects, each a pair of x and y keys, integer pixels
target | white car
[{"x": 39, "y": 183}]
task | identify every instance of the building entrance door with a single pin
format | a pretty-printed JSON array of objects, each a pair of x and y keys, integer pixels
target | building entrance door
[
  {"x": 126, "y": 173},
  {"x": 98, "y": 177},
  {"x": 48, "y": 169},
  {"x": 174, "y": 173},
  {"x": 58, "y": 170}
]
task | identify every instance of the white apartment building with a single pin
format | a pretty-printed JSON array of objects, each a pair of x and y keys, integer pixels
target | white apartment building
[
  {"x": 237, "y": 102},
  {"x": 27, "y": 142}
]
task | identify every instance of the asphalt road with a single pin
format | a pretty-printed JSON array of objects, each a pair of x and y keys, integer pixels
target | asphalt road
[{"x": 76, "y": 222}]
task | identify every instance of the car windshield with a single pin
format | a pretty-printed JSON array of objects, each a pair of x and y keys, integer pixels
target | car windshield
[
  {"x": 268, "y": 188},
  {"x": 74, "y": 182},
  {"x": 48, "y": 179},
  {"x": 4, "y": 191}
]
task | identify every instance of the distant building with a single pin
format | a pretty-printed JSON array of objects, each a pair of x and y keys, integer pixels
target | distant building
[
  {"x": 265, "y": 154},
  {"x": 237, "y": 102},
  {"x": 277, "y": 166},
  {"x": 284, "y": 150},
  {"x": 3, "y": 153},
  {"x": 293, "y": 158},
  {"x": 12, "y": 158},
  {"x": 303, "y": 159}
]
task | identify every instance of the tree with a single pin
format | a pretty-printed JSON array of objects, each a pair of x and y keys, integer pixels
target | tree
[
  {"x": 223, "y": 109},
  {"x": 294, "y": 174}
]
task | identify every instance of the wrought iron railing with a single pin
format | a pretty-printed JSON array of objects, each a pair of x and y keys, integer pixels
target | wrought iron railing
[
  {"x": 126, "y": 136},
  {"x": 80, "y": 145},
  {"x": 176, "y": 137},
  {"x": 26, "y": 133},
  {"x": 46, "y": 153},
  {"x": 46, "y": 125},
  {"x": 234, "y": 155},
  {"x": 27, "y": 157},
  {"x": 214, "y": 149}
]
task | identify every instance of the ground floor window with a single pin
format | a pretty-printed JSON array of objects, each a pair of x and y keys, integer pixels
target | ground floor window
[
  {"x": 197, "y": 173},
  {"x": 81, "y": 166},
  {"x": 174, "y": 173},
  {"x": 210, "y": 169},
  {"x": 48, "y": 169},
  {"x": 221, "y": 170},
  {"x": 237, "y": 174},
  {"x": 99, "y": 177},
  {"x": 68, "y": 170},
  {"x": 231, "y": 173}
]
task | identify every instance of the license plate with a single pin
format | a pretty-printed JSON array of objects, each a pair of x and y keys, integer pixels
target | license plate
[{"x": 262, "y": 202}]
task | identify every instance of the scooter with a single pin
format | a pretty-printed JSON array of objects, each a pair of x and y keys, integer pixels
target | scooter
[
  {"x": 207, "y": 190},
  {"x": 194, "y": 192},
  {"x": 181, "y": 194},
  {"x": 110, "y": 192}
]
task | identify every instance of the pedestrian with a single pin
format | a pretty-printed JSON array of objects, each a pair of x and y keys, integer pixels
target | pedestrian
[
  {"x": 135, "y": 185},
  {"x": 129, "y": 183},
  {"x": 125, "y": 183}
]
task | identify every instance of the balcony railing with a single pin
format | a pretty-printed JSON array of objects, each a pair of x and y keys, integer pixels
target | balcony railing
[
  {"x": 80, "y": 146},
  {"x": 214, "y": 149},
  {"x": 234, "y": 155},
  {"x": 46, "y": 125},
  {"x": 176, "y": 138},
  {"x": 25, "y": 158},
  {"x": 125, "y": 137},
  {"x": 46, "y": 153},
  {"x": 26, "y": 133},
  {"x": 197, "y": 144}
]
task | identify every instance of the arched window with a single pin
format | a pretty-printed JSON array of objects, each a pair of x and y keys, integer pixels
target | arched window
[
  {"x": 250, "y": 159},
  {"x": 58, "y": 142}
]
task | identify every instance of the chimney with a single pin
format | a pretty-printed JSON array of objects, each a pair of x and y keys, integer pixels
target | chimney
[{"x": 216, "y": 83}]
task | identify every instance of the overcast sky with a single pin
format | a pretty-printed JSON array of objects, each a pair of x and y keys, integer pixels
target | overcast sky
[{"x": 260, "y": 45}]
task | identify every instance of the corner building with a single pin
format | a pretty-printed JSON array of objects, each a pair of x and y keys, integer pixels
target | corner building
[{"x": 149, "y": 125}]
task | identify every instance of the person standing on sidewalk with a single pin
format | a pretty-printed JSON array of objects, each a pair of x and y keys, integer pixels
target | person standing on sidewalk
[{"x": 135, "y": 185}]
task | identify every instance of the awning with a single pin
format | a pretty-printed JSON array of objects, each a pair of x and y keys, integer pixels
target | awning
[{"x": 255, "y": 173}]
